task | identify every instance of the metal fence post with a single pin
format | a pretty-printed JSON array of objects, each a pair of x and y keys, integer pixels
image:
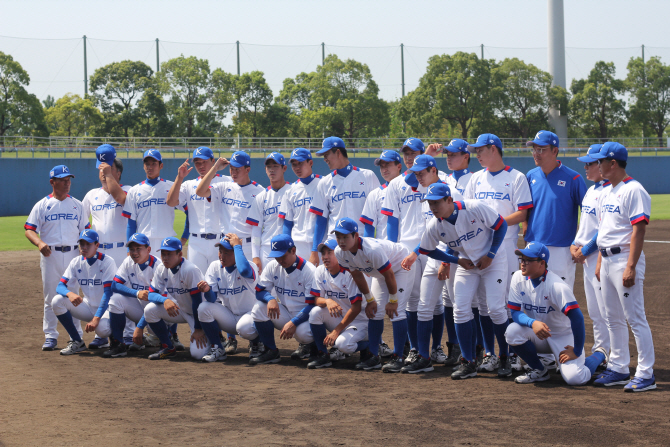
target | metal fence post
[{"x": 85, "y": 71}]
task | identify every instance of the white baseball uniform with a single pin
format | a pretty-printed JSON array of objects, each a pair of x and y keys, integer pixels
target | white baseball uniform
[
  {"x": 372, "y": 211},
  {"x": 137, "y": 277},
  {"x": 264, "y": 220},
  {"x": 295, "y": 208}
]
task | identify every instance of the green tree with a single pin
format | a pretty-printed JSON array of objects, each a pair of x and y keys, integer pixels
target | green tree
[
  {"x": 596, "y": 107},
  {"x": 50, "y": 101},
  {"x": 649, "y": 85},
  {"x": 255, "y": 97},
  {"x": 299, "y": 95},
  {"x": 151, "y": 116},
  {"x": 73, "y": 116},
  {"x": 20, "y": 112}
]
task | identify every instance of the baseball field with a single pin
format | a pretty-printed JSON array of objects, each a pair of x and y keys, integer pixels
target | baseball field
[{"x": 48, "y": 399}]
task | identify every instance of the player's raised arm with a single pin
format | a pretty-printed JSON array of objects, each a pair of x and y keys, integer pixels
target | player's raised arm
[
  {"x": 203, "y": 188},
  {"x": 182, "y": 172}
]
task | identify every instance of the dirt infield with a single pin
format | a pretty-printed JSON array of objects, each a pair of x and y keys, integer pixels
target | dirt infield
[{"x": 48, "y": 399}]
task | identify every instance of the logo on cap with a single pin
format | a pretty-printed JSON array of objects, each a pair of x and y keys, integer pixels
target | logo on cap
[
  {"x": 294, "y": 153},
  {"x": 341, "y": 223},
  {"x": 84, "y": 233},
  {"x": 430, "y": 190},
  {"x": 274, "y": 245},
  {"x": 197, "y": 151},
  {"x": 537, "y": 137},
  {"x": 102, "y": 157},
  {"x": 166, "y": 241}
]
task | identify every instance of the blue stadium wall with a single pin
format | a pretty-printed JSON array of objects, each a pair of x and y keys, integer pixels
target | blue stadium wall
[{"x": 26, "y": 180}]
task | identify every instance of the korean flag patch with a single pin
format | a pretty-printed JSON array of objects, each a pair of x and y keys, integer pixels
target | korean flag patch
[{"x": 561, "y": 183}]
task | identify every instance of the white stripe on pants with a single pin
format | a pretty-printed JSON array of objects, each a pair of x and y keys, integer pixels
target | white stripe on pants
[
  {"x": 595, "y": 304},
  {"x": 347, "y": 341},
  {"x": 242, "y": 325}
]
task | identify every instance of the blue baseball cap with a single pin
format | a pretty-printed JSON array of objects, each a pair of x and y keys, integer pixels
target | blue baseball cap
[
  {"x": 280, "y": 244},
  {"x": 534, "y": 250},
  {"x": 60, "y": 171},
  {"x": 203, "y": 153},
  {"x": 388, "y": 156},
  {"x": 301, "y": 154},
  {"x": 171, "y": 244},
  {"x": 422, "y": 162},
  {"x": 415, "y": 144},
  {"x": 277, "y": 157},
  {"x": 224, "y": 243},
  {"x": 544, "y": 138},
  {"x": 330, "y": 243},
  {"x": 89, "y": 236},
  {"x": 331, "y": 143},
  {"x": 457, "y": 145},
  {"x": 138, "y": 238},
  {"x": 153, "y": 153},
  {"x": 613, "y": 150},
  {"x": 105, "y": 153},
  {"x": 437, "y": 191},
  {"x": 346, "y": 225},
  {"x": 240, "y": 159},
  {"x": 594, "y": 149},
  {"x": 485, "y": 139}
]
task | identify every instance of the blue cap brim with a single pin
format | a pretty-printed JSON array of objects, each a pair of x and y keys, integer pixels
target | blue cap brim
[
  {"x": 328, "y": 244},
  {"x": 155, "y": 158},
  {"x": 417, "y": 168},
  {"x": 527, "y": 253},
  {"x": 202, "y": 157},
  {"x": 277, "y": 253},
  {"x": 476, "y": 145},
  {"x": 415, "y": 150},
  {"x": 63, "y": 176},
  {"x": 236, "y": 164},
  {"x": 87, "y": 239},
  {"x": 168, "y": 249},
  {"x": 455, "y": 150},
  {"x": 586, "y": 159},
  {"x": 324, "y": 150},
  {"x": 379, "y": 160},
  {"x": 300, "y": 158},
  {"x": 433, "y": 197},
  {"x": 598, "y": 156},
  {"x": 224, "y": 244},
  {"x": 341, "y": 232}
]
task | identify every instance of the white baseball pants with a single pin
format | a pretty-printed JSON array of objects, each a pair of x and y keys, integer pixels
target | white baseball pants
[
  {"x": 595, "y": 304},
  {"x": 52, "y": 268},
  {"x": 242, "y": 325},
  {"x": 347, "y": 341},
  {"x": 379, "y": 289},
  {"x": 153, "y": 313},
  {"x": 303, "y": 333},
  {"x": 83, "y": 312}
]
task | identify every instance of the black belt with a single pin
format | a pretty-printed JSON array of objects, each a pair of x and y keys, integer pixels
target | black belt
[
  {"x": 248, "y": 239},
  {"x": 112, "y": 245},
  {"x": 605, "y": 252},
  {"x": 206, "y": 236},
  {"x": 65, "y": 248}
]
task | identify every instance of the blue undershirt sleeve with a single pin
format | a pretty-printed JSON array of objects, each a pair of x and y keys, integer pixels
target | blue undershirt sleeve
[
  {"x": 287, "y": 227},
  {"x": 242, "y": 263},
  {"x": 62, "y": 289},
  {"x": 156, "y": 298},
  {"x": 319, "y": 231},
  {"x": 143, "y": 323},
  {"x": 196, "y": 299},
  {"x": 104, "y": 302},
  {"x": 210, "y": 296},
  {"x": 442, "y": 256},
  {"x": 186, "y": 232},
  {"x": 392, "y": 224},
  {"x": 123, "y": 290},
  {"x": 264, "y": 296},
  {"x": 303, "y": 315},
  {"x": 416, "y": 250},
  {"x": 498, "y": 238},
  {"x": 591, "y": 246},
  {"x": 131, "y": 228},
  {"x": 369, "y": 231},
  {"x": 521, "y": 318},
  {"x": 578, "y": 329}
]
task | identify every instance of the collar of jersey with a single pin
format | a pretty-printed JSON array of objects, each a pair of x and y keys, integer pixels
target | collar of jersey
[
  {"x": 250, "y": 183},
  {"x": 176, "y": 269},
  {"x": 341, "y": 270},
  {"x": 344, "y": 172},
  {"x": 200, "y": 177},
  {"x": 150, "y": 263},
  {"x": 307, "y": 180},
  {"x": 411, "y": 180},
  {"x": 506, "y": 168},
  {"x": 540, "y": 279},
  {"x": 460, "y": 173},
  {"x": 298, "y": 264},
  {"x": 230, "y": 269},
  {"x": 603, "y": 183},
  {"x": 153, "y": 181},
  {"x": 94, "y": 258},
  {"x": 452, "y": 219}
]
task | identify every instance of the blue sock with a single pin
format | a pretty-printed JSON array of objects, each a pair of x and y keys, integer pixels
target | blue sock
[
  {"x": 173, "y": 329},
  {"x": 399, "y": 337},
  {"x": 162, "y": 332},
  {"x": 231, "y": 336},
  {"x": 117, "y": 323},
  {"x": 478, "y": 329},
  {"x": 438, "y": 330},
  {"x": 465, "y": 333},
  {"x": 266, "y": 332},
  {"x": 528, "y": 353},
  {"x": 500, "y": 336},
  {"x": 424, "y": 329},
  {"x": 319, "y": 333},
  {"x": 449, "y": 322},
  {"x": 375, "y": 330},
  {"x": 68, "y": 324},
  {"x": 213, "y": 333},
  {"x": 489, "y": 334},
  {"x": 362, "y": 345},
  {"x": 412, "y": 320},
  {"x": 593, "y": 361}
]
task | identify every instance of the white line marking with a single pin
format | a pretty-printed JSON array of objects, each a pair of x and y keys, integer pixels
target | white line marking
[{"x": 660, "y": 242}]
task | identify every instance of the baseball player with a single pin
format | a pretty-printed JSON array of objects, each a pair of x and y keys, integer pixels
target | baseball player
[
  {"x": 292, "y": 279},
  {"x": 390, "y": 287},
  {"x": 53, "y": 226},
  {"x": 547, "y": 319},
  {"x": 174, "y": 298},
  {"x": 340, "y": 194},
  {"x": 624, "y": 210},
  {"x": 584, "y": 249},
  {"x": 264, "y": 213},
  {"x": 229, "y": 288},
  {"x": 338, "y": 309},
  {"x": 232, "y": 200},
  {"x": 93, "y": 272},
  {"x": 505, "y": 190},
  {"x": 557, "y": 193},
  {"x": 476, "y": 231},
  {"x": 374, "y": 221}
]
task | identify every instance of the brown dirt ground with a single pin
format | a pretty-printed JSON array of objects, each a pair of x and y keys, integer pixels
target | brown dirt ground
[{"x": 48, "y": 399}]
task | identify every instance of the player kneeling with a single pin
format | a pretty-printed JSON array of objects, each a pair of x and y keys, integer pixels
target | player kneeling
[
  {"x": 292, "y": 279},
  {"x": 547, "y": 319},
  {"x": 338, "y": 309},
  {"x": 230, "y": 294},
  {"x": 93, "y": 273},
  {"x": 174, "y": 297}
]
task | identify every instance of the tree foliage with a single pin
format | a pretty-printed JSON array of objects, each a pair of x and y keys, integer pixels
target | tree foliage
[
  {"x": 20, "y": 112},
  {"x": 649, "y": 86},
  {"x": 73, "y": 116}
]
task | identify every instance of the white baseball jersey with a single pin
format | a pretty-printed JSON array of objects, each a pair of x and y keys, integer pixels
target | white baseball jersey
[
  {"x": 233, "y": 290},
  {"x": 372, "y": 211},
  {"x": 588, "y": 221},
  {"x": 137, "y": 276},
  {"x": 147, "y": 205},
  {"x": 58, "y": 222},
  {"x": 292, "y": 286},
  {"x": 106, "y": 215},
  {"x": 472, "y": 233},
  {"x": 549, "y": 302},
  {"x": 234, "y": 202},
  {"x": 505, "y": 191},
  {"x": 459, "y": 180},
  {"x": 343, "y": 194},
  {"x": 342, "y": 288},
  {"x": 177, "y": 283},
  {"x": 373, "y": 257},
  {"x": 621, "y": 207},
  {"x": 93, "y": 276},
  {"x": 203, "y": 218},
  {"x": 264, "y": 216},
  {"x": 295, "y": 208}
]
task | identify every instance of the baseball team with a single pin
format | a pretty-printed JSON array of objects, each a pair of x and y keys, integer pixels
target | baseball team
[{"x": 323, "y": 260}]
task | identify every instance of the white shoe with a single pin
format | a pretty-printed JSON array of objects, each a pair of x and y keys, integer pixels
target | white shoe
[
  {"x": 73, "y": 347},
  {"x": 411, "y": 357},
  {"x": 438, "y": 355},
  {"x": 490, "y": 363},
  {"x": 516, "y": 362},
  {"x": 336, "y": 354},
  {"x": 215, "y": 354},
  {"x": 151, "y": 340},
  {"x": 534, "y": 375}
]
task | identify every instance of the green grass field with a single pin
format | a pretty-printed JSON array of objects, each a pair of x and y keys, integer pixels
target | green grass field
[{"x": 12, "y": 233}]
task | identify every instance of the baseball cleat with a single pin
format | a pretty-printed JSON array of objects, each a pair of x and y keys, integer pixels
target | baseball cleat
[
  {"x": 603, "y": 366},
  {"x": 176, "y": 343},
  {"x": 458, "y": 364},
  {"x": 371, "y": 363},
  {"x": 516, "y": 362},
  {"x": 419, "y": 365},
  {"x": 466, "y": 370},
  {"x": 132, "y": 346},
  {"x": 322, "y": 360},
  {"x": 267, "y": 357},
  {"x": 411, "y": 356},
  {"x": 365, "y": 354},
  {"x": 164, "y": 353},
  {"x": 73, "y": 347},
  {"x": 437, "y": 355},
  {"x": 611, "y": 378},
  {"x": 98, "y": 343},
  {"x": 489, "y": 364},
  {"x": 479, "y": 351},
  {"x": 255, "y": 349},
  {"x": 215, "y": 354},
  {"x": 302, "y": 352},
  {"x": 117, "y": 350},
  {"x": 505, "y": 367},
  {"x": 151, "y": 340},
  {"x": 49, "y": 344},
  {"x": 335, "y": 354},
  {"x": 385, "y": 351},
  {"x": 453, "y": 353},
  {"x": 394, "y": 365},
  {"x": 549, "y": 363},
  {"x": 231, "y": 346},
  {"x": 638, "y": 384},
  {"x": 534, "y": 375}
]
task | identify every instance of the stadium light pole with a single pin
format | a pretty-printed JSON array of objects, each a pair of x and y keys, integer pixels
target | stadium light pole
[
  {"x": 556, "y": 31},
  {"x": 158, "y": 65},
  {"x": 85, "y": 71}
]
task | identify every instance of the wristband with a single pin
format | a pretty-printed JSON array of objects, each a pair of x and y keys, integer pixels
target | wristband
[
  {"x": 393, "y": 298},
  {"x": 368, "y": 297},
  {"x": 137, "y": 294}
]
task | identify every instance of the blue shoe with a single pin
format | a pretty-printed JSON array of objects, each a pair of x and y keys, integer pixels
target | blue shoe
[
  {"x": 49, "y": 344},
  {"x": 98, "y": 343},
  {"x": 638, "y": 384},
  {"x": 611, "y": 378}
]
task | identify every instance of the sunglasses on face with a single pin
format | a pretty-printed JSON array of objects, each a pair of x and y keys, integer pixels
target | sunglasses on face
[{"x": 527, "y": 261}]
